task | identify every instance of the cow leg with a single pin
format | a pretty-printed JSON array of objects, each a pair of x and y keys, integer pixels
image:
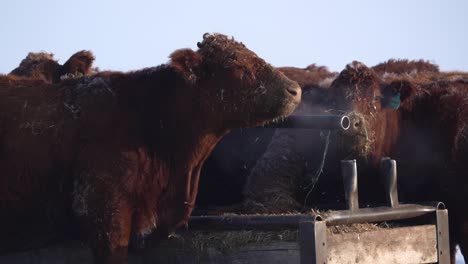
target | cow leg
[
  {"x": 110, "y": 235},
  {"x": 106, "y": 216},
  {"x": 101, "y": 202}
]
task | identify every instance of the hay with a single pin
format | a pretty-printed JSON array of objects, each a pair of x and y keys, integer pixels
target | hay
[
  {"x": 356, "y": 228},
  {"x": 228, "y": 241}
]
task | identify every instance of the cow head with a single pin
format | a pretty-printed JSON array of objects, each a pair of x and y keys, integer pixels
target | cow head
[
  {"x": 43, "y": 66},
  {"x": 79, "y": 64},
  {"x": 314, "y": 81},
  {"x": 403, "y": 66},
  {"x": 235, "y": 86},
  {"x": 371, "y": 104}
]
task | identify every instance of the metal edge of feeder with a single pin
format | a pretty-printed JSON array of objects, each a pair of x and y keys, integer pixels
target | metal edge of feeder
[
  {"x": 377, "y": 214},
  {"x": 443, "y": 242},
  {"x": 257, "y": 222},
  {"x": 313, "y": 242}
]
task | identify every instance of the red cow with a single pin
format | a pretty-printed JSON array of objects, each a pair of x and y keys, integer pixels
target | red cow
[
  {"x": 403, "y": 66},
  {"x": 310, "y": 77},
  {"x": 121, "y": 153},
  {"x": 227, "y": 168},
  {"x": 42, "y": 66},
  {"x": 421, "y": 122},
  {"x": 283, "y": 177}
]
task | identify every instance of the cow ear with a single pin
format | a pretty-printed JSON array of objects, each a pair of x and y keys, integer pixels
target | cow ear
[
  {"x": 396, "y": 92},
  {"x": 187, "y": 63},
  {"x": 79, "y": 63}
]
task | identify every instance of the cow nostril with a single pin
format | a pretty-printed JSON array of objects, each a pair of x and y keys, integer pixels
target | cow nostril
[
  {"x": 292, "y": 91},
  {"x": 357, "y": 124}
]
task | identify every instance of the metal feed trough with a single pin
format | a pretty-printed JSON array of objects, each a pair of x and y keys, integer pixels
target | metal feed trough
[
  {"x": 396, "y": 233},
  {"x": 419, "y": 233}
]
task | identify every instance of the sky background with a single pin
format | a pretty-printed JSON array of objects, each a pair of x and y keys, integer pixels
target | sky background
[{"x": 129, "y": 35}]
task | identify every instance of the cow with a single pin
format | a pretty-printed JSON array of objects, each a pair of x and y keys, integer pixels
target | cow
[
  {"x": 417, "y": 119},
  {"x": 225, "y": 172},
  {"x": 404, "y": 66},
  {"x": 310, "y": 77},
  {"x": 309, "y": 163},
  {"x": 421, "y": 122},
  {"x": 42, "y": 65},
  {"x": 116, "y": 154}
]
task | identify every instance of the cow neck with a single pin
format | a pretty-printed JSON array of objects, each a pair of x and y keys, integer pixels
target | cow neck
[
  {"x": 173, "y": 126},
  {"x": 387, "y": 134},
  {"x": 190, "y": 152},
  {"x": 434, "y": 115}
]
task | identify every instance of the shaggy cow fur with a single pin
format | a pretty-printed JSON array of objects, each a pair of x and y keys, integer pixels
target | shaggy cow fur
[
  {"x": 42, "y": 66},
  {"x": 121, "y": 153}
]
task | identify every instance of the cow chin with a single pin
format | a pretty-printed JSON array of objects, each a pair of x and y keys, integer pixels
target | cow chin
[
  {"x": 355, "y": 147},
  {"x": 277, "y": 114}
]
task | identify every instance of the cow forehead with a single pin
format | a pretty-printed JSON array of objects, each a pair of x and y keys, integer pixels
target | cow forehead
[
  {"x": 218, "y": 47},
  {"x": 357, "y": 80}
]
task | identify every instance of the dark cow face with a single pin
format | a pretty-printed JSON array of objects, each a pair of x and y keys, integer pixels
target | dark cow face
[
  {"x": 79, "y": 64},
  {"x": 39, "y": 65},
  {"x": 369, "y": 102},
  {"x": 43, "y": 66},
  {"x": 232, "y": 78}
]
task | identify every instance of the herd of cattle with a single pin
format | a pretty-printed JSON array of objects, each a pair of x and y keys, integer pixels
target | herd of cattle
[{"x": 113, "y": 157}]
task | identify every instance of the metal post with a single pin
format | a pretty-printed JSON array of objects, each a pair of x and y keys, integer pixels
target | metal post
[
  {"x": 313, "y": 242},
  {"x": 388, "y": 172},
  {"x": 443, "y": 243},
  {"x": 339, "y": 122},
  {"x": 349, "y": 172}
]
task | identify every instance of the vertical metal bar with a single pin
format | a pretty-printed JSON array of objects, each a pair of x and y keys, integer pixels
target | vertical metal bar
[
  {"x": 443, "y": 243},
  {"x": 313, "y": 242},
  {"x": 349, "y": 172},
  {"x": 388, "y": 172}
]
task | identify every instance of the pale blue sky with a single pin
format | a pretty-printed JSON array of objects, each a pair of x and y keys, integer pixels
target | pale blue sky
[{"x": 128, "y": 35}]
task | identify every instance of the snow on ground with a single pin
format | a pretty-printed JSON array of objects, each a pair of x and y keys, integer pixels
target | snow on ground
[{"x": 459, "y": 257}]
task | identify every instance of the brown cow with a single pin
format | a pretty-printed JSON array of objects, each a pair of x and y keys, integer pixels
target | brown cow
[
  {"x": 122, "y": 152},
  {"x": 420, "y": 121},
  {"x": 310, "y": 77},
  {"x": 284, "y": 176},
  {"x": 404, "y": 66},
  {"x": 225, "y": 172},
  {"x": 42, "y": 65}
]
